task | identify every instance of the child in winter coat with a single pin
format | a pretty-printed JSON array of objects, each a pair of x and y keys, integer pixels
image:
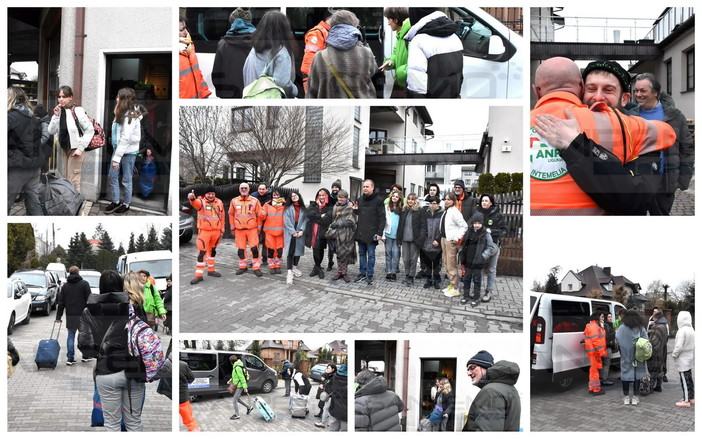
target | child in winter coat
[{"x": 476, "y": 249}]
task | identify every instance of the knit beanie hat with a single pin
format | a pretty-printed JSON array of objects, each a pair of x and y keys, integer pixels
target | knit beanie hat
[
  {"x": 337, "y": 183},
  {"x": 460, "y": 183},
  {"x": 210, "y": 188},
  {"x": 476, "y": 218},
  {"x": 243, "y": 13},
  {"x": 482, "y": 359},
  {"x": 612, "y": 67}
]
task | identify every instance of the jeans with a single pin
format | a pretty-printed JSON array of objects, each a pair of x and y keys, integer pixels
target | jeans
[
  {"x": 392, "y": 255},
  {"x": 126, "y": 165},
  {"x": 237, "y": 399},
  {"x": 71, "y": 344},
  {"x": 491, "y": 269},
  {"x": 366, "y": 257},
  {"x": 27, "y": 181},
  {"x": 116, "y": 404},
  {"x": 336, "y": 424},
  {"x": 287, "y": 387}
]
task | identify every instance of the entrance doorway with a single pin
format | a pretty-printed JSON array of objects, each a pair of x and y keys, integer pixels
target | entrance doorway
[{"x": 431, "y": 369}]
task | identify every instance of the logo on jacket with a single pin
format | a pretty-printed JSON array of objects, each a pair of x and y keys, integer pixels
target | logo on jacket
[{"x": 546, "y": 162}]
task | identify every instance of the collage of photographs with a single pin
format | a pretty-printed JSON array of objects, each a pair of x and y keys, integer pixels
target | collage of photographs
[{"x": 470, "y": 263}]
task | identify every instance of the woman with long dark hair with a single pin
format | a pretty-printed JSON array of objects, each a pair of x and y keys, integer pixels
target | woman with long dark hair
[
  {"x": 319, "y": 215},
  {"x": 272, "y": 51},
  {"x": 295, "y": 222},
  {"x": 631, "y": 329},
  {"x": 126, "y": 135}
]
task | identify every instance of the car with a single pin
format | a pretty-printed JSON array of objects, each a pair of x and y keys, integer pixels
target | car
[
  {"x": 59, "y": 269},
  {"x": 186, "y": 223},
  {"x": 93, "y": 279},
  {"x": 18, "y": 304},
  {"x": 158, "y": 263},
  {"x": 317, "y": 371},
  {"x": 212, "y": 370},
  {"x": 43, "y": 286}
]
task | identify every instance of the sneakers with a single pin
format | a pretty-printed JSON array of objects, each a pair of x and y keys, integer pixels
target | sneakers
[
  {"x": 258, "y": 273},
  {"x": 451, "y": 291},
  {"x": 486, "y": 297},
  {"x": 437, "y": 284},
  {"x": 272, "y": 271},
  {"x": 289, "y": 279},
  {"x": 121, "y": 210},
  {"x": 627, "y": 400},
  {"x": 112, "y": 207},
  {"x": 607, "y": 383},
  {"x": 248, "y": 410},
  {"x": 296, "y": 272},
  {"x": 320, "y": 272},
  {"x": 428, "y": 283},
  {"x": 314, "y": 271},
  {"x": 214, "y": 274},
  {"x": 70, "y": 362},
  {"x": 196, "y": 280},
  {"x": 464, "y": 300},
  {"x": 685, "y": 404},
  {"x": 475, "y": 302},
  {"x": 87, "y": 360},
  {"x": 360, "y": 277},
  {"x": 234, "y": 417},
  {"x": 369, "y": 280},
  {"x": 634, "y": 400},
  {"x": 241, "y": 271},
  {"x": 319, "y": 424}
]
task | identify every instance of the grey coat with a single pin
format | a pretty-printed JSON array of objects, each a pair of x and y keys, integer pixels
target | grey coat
[
  {"x": 377, "y": 408},
  {"x": 625, "y": 339},
  {"x": 290, "y": 229}
]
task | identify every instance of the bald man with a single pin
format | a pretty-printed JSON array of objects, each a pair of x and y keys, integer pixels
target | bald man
[
  {"x": 245, "y": 224},
  {"x": 584, "y": 177}
]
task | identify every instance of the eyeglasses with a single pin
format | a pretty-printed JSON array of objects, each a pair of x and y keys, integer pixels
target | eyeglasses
[{"x": 472, "y": 367}]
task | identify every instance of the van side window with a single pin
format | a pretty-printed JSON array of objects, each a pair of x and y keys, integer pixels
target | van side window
[
  {"x": 199, "y": 361},
  {"x": 475, "y": 37},
  {"x": 569, "y": 316},
  {"x": 254, "y": 363}
]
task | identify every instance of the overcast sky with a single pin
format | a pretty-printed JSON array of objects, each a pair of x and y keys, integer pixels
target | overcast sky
[
  {"x": 118, "y": 228},
  {"x": 614, "y": 16},
  {"x": 642, "y": 249}
]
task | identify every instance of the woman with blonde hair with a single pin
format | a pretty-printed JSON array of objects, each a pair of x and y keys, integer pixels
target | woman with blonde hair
[
  {"x": 410, "y": 236},
  {"x": 393, "y": 210},
  {"x": 135, "y": 289},
  {"x": 446, "y": 400}
]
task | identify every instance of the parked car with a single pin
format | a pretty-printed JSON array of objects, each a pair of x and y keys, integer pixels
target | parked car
[
  {"x": 59, "y": 269},
  {"x": 158, "y": 263},
  {"x": 43, "y": 286},
  {"x": 186, "y": 223},
  {"x": 18, "y": 304},
  {"x": 317, "y": 371},
  {"x": 212, "y": 370},
  {"x": 557, "y": 325},
  {"x": 93, "y": 278}
]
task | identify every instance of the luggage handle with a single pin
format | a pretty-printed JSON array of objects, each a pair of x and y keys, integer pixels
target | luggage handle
[{"x": 58, "y": 333}]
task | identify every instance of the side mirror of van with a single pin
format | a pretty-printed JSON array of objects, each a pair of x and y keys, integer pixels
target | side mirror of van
[{"x": 496, "y": 46}]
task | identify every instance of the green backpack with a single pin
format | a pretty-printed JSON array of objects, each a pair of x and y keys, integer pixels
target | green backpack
[
  {"x": 264, "y": 87},
  {"x": 644, "y": 350}
]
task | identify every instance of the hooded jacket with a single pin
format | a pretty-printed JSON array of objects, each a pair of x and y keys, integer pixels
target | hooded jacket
[
  {"x": 377, "y": 408},
  {"x": 281, "y": 67},
  {"x": 353, "y": 61},
  {"x": 23, "y": 138},
  {"x": 435, "y": 61},
  {"x": 399, "y": 55},
  {"x": 477, "y": 247},
  {"x": 338, "y": 405},
  {"x": 497, "y": 407},
  {"x": 287, "y": 371},
  {"x": 371, "y": 218},
  {"x": 232, "y": 50},
  {"x": 494, "y": 220},
  {"x": 73, "y": 297},
  {"x": 684, "y": 351},
  {"x": 432, "y": 229}
]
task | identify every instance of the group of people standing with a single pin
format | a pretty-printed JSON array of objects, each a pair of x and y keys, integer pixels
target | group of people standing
[
  {"x": 626, "y": 334},
  {"x": 464, "y": 234},
  {"x": 427, "y": 56}
]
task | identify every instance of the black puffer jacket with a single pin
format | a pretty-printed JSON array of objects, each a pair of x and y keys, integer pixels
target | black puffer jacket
[
  {"x": 103, "y": 335},
  {"x": 338, "y": 407},
  {"x": 371, "y": 217},
  {"x": 419, "y": 225},
  {"x": 495, "y": 221},
  {"x": 376, "y": 407},
  {"x": 23, "y": 139},
  {"x": 73, "y": 297},
  {"x": 227, "y": 72}
]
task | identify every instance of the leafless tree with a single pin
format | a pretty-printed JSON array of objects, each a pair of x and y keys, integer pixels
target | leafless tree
[
  {"x": 280, "y": 145},
  {"x": 200, "y": 148}
]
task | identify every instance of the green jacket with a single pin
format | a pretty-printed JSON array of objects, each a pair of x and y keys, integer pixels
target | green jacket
[
  {"x": 399, "y": 55},
  {"x": 238, "y": 378},
  {"x": 152, "y": 301}
]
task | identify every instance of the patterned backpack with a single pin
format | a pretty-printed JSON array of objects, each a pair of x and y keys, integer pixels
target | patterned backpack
[
  {"x": 143, "y": 342},
  {"x": 98, "y": 139}
]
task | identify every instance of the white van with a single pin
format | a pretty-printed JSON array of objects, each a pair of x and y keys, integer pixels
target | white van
[
  {"x": 557, "y": 325},
  {"x": 158, "y": 263},
  {"x": 59, "y": 269}
]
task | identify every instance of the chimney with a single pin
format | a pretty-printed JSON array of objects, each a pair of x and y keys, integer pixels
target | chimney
[{"x": 607, "y": 271}]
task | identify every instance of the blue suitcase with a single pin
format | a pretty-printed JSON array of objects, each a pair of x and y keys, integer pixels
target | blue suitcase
[
  {"x": 48, "y": 350},
  {"x": 264, "y": 409}
]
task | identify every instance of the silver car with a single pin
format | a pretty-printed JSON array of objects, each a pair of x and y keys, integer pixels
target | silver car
[{"x": 186, "y": 224}]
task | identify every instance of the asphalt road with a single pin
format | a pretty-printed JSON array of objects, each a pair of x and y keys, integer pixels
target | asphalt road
[
  {"x": 62, "y": 399},
  {"x": 247, "y": 303}
]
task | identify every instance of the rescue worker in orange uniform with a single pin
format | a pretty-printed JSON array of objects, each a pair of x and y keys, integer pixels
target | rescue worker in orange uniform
[
  {"x": 210, "y": 229},
  {"x": 273, "y": 227},
  {"x": 245, "y": 223},
  {"x": 595, "y": 348},
  {"x": 554, "y": 189},
  {"x": 192, "y": 84},
  {"x": 315, "y": 41}
]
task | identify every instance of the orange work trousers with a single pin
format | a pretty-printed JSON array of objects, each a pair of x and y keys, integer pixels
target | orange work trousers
[
  {"x": 250, "y": 237},
  {"x": 594, "y": 379},
  {"x": 186, "y": 415}
]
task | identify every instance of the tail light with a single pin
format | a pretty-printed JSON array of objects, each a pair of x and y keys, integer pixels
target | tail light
[
  {"x": 538, "y": 328},
  {"x": 186, "y": 210}
]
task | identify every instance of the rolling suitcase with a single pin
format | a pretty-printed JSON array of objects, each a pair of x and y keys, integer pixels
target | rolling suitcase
[
  {"x": 264, "y": 409},
  {"x": 298, "y": 406},
  {"x": 48, "y": 350}
]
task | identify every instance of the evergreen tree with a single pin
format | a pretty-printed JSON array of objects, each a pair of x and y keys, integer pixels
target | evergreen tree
[
  {"x": 89, "y": 259},
  {"x": 131, "y": 248},
  {"x": 552, "y": 281},
  {"x": 120, "y": 250},
  {"x": 140, "y": 245},
  {"x": 151, "y": 239},
  {"x": 256, "y": 348},
  {"x": 75, "y": 251},
  {"x": 166, "y": 242},
  {"x": 20, "y": 245},
  {"x": 99, "y": 230},
  {"x": 106, "y": 242}
]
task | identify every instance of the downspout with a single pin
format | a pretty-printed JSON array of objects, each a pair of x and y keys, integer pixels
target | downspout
[
  {"x": 78, "y": 54},
  {"x": 405, "y": 390}
]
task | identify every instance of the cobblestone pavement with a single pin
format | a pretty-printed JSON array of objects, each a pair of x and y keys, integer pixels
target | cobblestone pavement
[
  {"x": 576, "y": 409},
  {"x": 267, "y": 304},
  {"x": 684, "y": 203},
  {"x": 212, "y": 413},
  {"x": 62, "y": 399}
]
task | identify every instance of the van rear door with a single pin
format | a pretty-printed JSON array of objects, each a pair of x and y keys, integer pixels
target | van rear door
[
  {"x": 569, "y": 320},
  {"x": 205, "y": 370}
]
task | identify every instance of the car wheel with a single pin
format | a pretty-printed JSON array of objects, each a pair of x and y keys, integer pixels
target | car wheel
[
  {"x": 564, "y": 382},
  {"x": 267, "y": 386},
  {"x": 29, "y": 316},
  {"x": 11, "y": 325},
  {"x": 55, "y": 303},
  {"x": 187, "y": 236},
  {"x": 47, "y": 310},
  {"x": 195, "y": 398}
]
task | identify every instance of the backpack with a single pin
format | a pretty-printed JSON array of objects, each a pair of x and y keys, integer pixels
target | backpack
[
  {"x": 245, "y": 371},
  {"x": 264, "y": 87},
  {"x": 644, "y": 350},
  {"x": 98, "y": 139},
  {"x": 645, "y": 386},
  {"x": 58, "y": 196},
  {"x": 147, "y": 176},
  {"x": 142, "y": 342}
]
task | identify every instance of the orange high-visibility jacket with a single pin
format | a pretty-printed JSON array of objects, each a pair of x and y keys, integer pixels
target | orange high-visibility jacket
[
  {"x": 210, "y": 216},
  {"x": 552, "y": 188},
  {"x": 192, "y": 83},
  {"x": 315, "y": 41},
  {"x": 244, "y": 213},
  {"x": 595, "y": 339},
  {"x": 273, "y": 217}
]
